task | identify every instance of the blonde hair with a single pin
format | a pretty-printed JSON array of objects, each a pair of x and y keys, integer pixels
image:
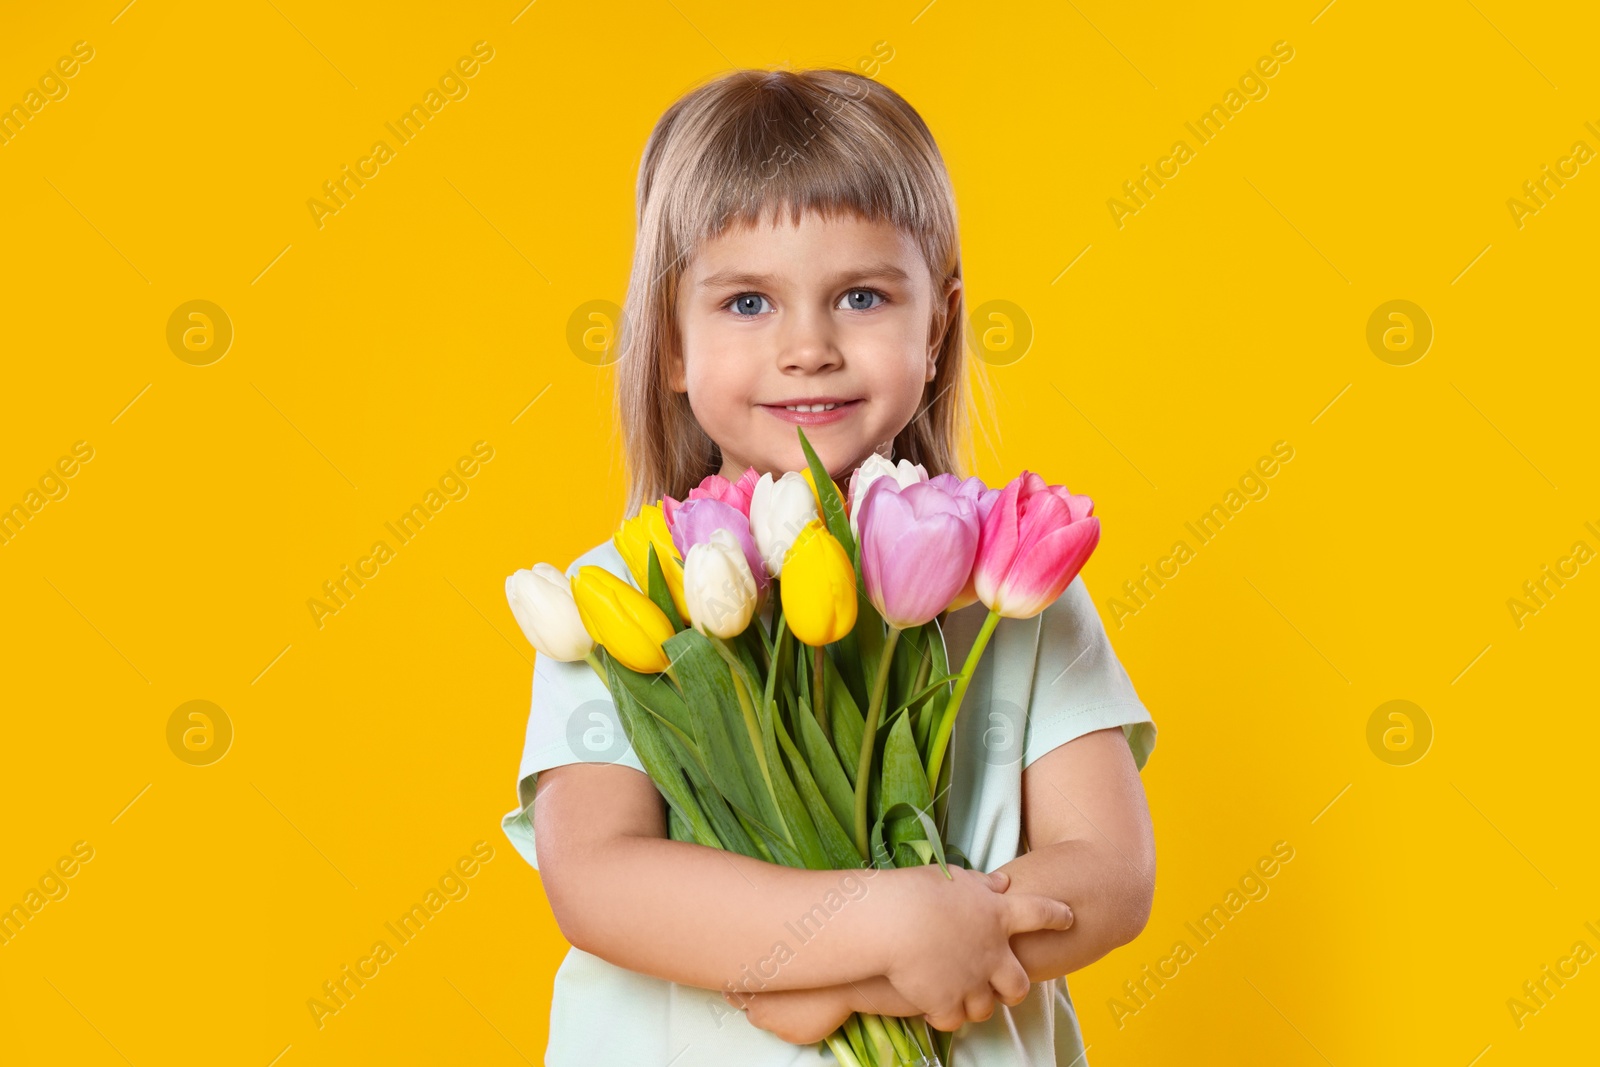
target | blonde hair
[{"x": 726, "y": 154}]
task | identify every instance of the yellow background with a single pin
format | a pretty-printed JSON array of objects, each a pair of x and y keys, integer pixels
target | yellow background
[{"x": 371, "y": 753}]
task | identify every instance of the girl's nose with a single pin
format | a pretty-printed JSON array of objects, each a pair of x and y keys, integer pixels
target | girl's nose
[{"x": 808, "y": 344}]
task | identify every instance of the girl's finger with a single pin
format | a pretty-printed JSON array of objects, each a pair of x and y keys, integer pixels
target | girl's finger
[
  {"x": 999, "y": 881},
  {"x": 980, "y": 1006},
  {"x": 1031, "y": 911},
  {"x": 1011, "y": 983}
]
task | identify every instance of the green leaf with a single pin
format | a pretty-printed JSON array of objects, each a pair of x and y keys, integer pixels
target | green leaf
[
  {"x": 925, "y": 692},
  {"x": 931, "y": 837},
  {"x": 883, "y": 857},
  {"x": 653, "y": 691},
  {"x": 782, "y": 852},
  {"x": 776, "y": 595},
  {"x": 846, "y": 724},
  {"x": 867, "y": 640},
  {"x": 677, "y": 828},
  {"x": 720, "y": 732},
  {"x": 745, "y": 646},
  {"x": 754, "y": 834},
  {"x": 658, "y": 591},
  {"x": 905, "y": 785},
  {"x": 795, "y": 816},
  {"x": 839, "y": 851},
  {"x": 800, "y": 670},
  {"x": 908, "y": 655},
  {"x": 825, "y": 768},
  {"x": 931, "y": 712},
  {"x": 904, "y": 779},
  {"x": 776, "y": 661},
  {"x": 729, "y": 829},
  {"x": 879, "y": 854},
  {"x": 941, "y": 655},
  {"x": 833, "y": 513},
  {"x": 657, "y": 760},
  {"x": 849, "y": 663}
]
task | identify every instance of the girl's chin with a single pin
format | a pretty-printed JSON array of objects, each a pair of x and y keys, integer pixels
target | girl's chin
[{"x": 794, "y": 458}]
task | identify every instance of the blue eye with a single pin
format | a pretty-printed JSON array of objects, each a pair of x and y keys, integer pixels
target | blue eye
[
  {"x": 852, "y": 301},
  {"x": 747, "y": 305}
]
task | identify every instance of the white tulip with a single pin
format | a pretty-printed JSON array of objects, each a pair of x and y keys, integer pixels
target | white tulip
[
  {"x": 875, "y": 467},
  {"x": 779, "y": 510},
  {"x": 718, "y": 587},
  {"x": 541, "y": 600}
]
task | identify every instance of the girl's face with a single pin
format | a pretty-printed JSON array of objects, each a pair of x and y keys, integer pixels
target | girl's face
[{"x": 828, "y": 311}]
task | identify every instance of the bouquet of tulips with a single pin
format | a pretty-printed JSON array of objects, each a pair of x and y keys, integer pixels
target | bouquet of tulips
[{"x": 817, "y": 739}]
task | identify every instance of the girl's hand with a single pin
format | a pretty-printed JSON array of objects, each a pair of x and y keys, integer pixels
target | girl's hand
[
  {"x": 799, "y": 1016},
  {"x": 956, "y": 957}
]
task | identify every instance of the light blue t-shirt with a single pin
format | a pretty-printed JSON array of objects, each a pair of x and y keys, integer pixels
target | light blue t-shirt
[{"x": 1040, "y": 683}]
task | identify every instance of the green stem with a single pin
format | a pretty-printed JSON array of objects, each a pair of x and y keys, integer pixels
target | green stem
[
  {"x": 868, "y": 737},
  {"x": 840, "y": 1045},
  {"x": 918, "y": 1029},
  {"x": 878, "y": 1034},
  {"x": 858, "y": 1043},
  {"x": 941, "y": 738},
  {"x": 819, "y": 692},
  {"x": 905, "y": 1049}
]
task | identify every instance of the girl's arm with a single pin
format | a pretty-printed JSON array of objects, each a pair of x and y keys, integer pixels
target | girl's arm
[
  {"x": 1090, "y": 843},
  {"x": 623, "y": 891},
  {"x": 1085, "y": 816}
]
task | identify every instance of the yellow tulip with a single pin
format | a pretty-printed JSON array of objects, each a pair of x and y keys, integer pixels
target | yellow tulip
[
  {"x": 818, "y": 587},
  {"x": 621, "y": 618},
  {"x": 633, "y": 540}
]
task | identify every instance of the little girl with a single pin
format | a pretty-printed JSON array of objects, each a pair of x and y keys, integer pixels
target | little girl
[{"x": 798, "y": 264}]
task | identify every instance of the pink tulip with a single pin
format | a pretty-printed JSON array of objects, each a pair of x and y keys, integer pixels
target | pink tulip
[
  {"x": 1034, "y": 541},
  {"x": 983, "y": 498},
  {"x": 716, "y": 487},
  {"x": 918, "y": 543},
  {"x": 700, "y": 516}
]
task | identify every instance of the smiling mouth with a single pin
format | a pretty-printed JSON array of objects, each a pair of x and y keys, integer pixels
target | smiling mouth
[
  {"x": 820, "y": 403},
  {"x": 813, "y": 413}
]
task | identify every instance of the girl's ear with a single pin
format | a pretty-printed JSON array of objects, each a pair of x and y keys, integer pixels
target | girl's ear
[{"x": 942, "y": 321}]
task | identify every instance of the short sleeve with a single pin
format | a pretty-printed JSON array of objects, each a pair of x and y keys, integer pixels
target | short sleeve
[
  {"x": 1079, "y": 685},
  {"x": 571, "y": 719}
]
